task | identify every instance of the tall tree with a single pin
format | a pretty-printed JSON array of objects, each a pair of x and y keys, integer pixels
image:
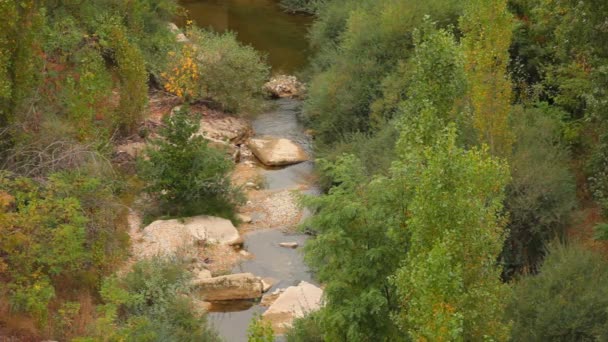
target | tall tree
[
  {"x": 449, "y": 284},
  {"x": 487, "y": 27}
]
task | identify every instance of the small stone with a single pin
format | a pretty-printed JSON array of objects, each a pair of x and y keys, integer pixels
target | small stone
[
  {"x": 200, "y": 274},
  {"x": 244, "y": 253},
  {"x": 267, "y": 284},
  {"x": 250, "y": 185},
  {"x": 244, "y": 218},
  {"x": 289, "y": 244}
]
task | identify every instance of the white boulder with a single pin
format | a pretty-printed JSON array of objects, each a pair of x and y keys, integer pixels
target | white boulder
[{"x": 277, "y": 151}]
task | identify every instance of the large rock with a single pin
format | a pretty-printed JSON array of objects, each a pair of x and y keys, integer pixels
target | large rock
[
  {"x": 230, "y": 287},
  {"x": 294, "y": 302},
  {"x": 284, "y": 86},
  {"x": 227, "y": 129},
  {"x": 277, "y": 151},
  {"x": 168, "y": 237}
]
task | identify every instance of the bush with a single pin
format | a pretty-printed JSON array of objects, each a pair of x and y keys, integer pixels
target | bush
[
  {"x": 305, "y": 6},
  {"x": 597, "y": 170},
  {"x": 542, "y": 193},
  {"x": 360, "y": 44},
  {"x": 306, "y": 329},
  {"x": 150, "y": 303},
  {"x": 224, "y": 71},
  {"x": 566, "y": 301},
  {"x": 184, "y": 174},
  {"x": 259, "y": 330},
  {"x": 63, "y": 231}
]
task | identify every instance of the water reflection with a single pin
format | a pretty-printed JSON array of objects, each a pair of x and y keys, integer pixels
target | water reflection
[{"x": 259, "y": 23}]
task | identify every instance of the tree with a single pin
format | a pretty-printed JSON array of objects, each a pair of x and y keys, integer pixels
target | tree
[
  {"x": 359, "y": 244},
  {"x": 565, "y": 301},
  {"x": 542, "y": 192},
  {"x": 449, "y": 286},
  {"x": 487, "y": 27},
  {"x": 184, "y": 173}
]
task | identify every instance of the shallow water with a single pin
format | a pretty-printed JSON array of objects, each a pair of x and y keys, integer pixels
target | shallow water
[
  {"x": 282, "y": 122},
  {"x": 286, "y": 266},
  {"x": 259, "y": 23}
]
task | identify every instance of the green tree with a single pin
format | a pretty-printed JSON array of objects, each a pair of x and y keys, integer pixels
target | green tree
[
  {"x": 487, "y": 27},
  {"x": 186, "y": 175},
  {"x": 449, "y": 286},
  {"x": 542, "y": 192},
  {"x": 359, "y": 244},
  {"x": 565, "y": 301}
]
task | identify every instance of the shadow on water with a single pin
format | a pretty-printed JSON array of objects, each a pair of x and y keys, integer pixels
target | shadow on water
[{"x": 259, "y": 23}]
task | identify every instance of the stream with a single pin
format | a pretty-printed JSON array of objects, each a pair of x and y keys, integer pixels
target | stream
[
  {"x": 282, "y": 37},
  {"x": 285, "y": 265}
]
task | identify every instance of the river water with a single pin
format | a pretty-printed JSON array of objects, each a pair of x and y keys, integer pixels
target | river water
[
  {"x": 263, "y": 25},
  {"x": 259, "y": 23},
  {"x": 285, "y": 265}
]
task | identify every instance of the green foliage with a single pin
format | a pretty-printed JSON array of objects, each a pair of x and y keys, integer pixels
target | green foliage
[
  {"x": 260, "y": 330},
  {"x": 306, "y": 329},
  {"x": 62, "y": 231},
  {"x": 302, "y": 6},
  {"x": 487, "y": 27},
  {"x": 184, "y": 174},
  {"x": 229, "y": 73},
  {"x": 150, "y": 304},
  {"x": 63, "y": 61},
  {"x": 360, "y": 44},
  {"x": 541, "y": 194},
  {"x": 601, "y": 231},
  {"x": 19, "y": 56},
  {"x": 565, "y": 301},
  {"x": 597, "y": 168},
  {"x": 360, "y": 243},
  {"x": 133, "y": 81},
  {"x": 449, "y": 284}
]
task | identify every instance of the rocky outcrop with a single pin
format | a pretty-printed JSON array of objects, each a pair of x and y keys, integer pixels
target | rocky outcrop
[
  {"x": 227, "y": 129},
  {"x": 230, "y": 287},
  {"x": 168, "y": 237},
  {"x": 179, "y": 35},
  {"x": 277, "y": 151},
  {"x": 284, "y": 86},
  {"x": 294, "y": 302}
]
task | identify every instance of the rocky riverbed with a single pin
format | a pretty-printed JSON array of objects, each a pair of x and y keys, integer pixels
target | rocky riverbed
[{"x": 235, "y": 264}]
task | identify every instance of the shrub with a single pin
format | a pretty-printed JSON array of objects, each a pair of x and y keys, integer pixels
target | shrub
[
  {"x": 541, "y": 194},
  {"x": 260, "y": 330},
  {"x": 306, "y": 329},
  {"x": 566, "y": 301},
  {"x": 150, "y": 303},
  {"x": 226, "y": 72},
  {"x": 59, "y": 232},
  {"x": 184, "y": 173}
]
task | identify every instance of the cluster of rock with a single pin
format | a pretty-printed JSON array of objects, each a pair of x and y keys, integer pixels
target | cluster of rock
[
  {"x": 284, "y": 86},
  {"x": 170, "y": 237}
]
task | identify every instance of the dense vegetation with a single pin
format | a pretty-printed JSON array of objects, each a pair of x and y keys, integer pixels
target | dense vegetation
[
  {"x": 75, "y": 80},
  {"x": 457, "y": 140},
  {"x": 462, "y": 145}
]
